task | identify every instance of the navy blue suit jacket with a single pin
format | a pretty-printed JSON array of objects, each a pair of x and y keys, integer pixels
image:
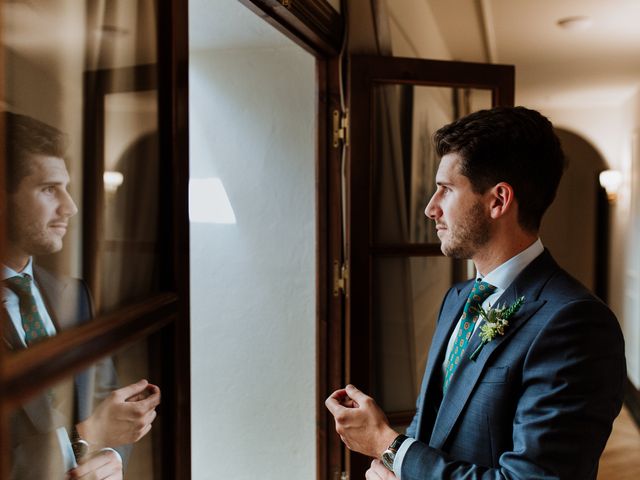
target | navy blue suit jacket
[
  {"x": 538, "y": 402},
  {"x": 35, "y": 445}
]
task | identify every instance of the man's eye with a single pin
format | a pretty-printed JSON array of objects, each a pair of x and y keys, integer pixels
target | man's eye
[{"x": 49, "y": 189}]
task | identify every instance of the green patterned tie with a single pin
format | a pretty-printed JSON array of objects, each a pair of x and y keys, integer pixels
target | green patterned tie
[
  {"x": 32, "y": 323},
  {"x": 479, "y": 293}
]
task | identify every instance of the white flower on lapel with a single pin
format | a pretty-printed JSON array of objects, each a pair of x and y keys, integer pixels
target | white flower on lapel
[{"x": 496, "y": 320}]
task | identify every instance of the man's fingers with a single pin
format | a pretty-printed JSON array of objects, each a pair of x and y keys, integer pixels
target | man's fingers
[
  {"x": 381, "y": 470},
  {"x": 334, "y": 402},
  {"x": 131, "y": 390},
  {"x": 149, "y": 403},
  {"x": 356, "y": 394}
]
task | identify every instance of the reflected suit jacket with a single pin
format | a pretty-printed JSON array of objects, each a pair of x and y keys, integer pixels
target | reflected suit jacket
[
  {"x": 538, "y": 402},
  {"x": 35, "y": 452}
]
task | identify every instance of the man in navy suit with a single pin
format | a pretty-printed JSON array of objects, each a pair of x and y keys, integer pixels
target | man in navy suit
[
  {"x": 89, "y": 421},
  {"x": 533, "y": 397}
]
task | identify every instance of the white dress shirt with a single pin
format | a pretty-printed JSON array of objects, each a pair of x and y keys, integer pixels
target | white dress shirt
[
  {"x": 501, "y": 277},
  {"x": 11, "y": 302}
]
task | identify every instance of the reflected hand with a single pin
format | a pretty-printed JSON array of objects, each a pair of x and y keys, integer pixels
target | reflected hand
[
  {"x": 104, "y": 465},
  {"x": 379, "y": 472},
  {"x": 124, "y": 417},
  {"x": 361, "y": 424}
]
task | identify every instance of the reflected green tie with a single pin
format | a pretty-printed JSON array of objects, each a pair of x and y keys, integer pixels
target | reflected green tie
[
  {"x": 34, "y": 329},
  {"x": 479, "y": 293}
]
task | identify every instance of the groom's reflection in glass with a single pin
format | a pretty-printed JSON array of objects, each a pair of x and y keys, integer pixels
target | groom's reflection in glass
[{"x": 84, "y": 426}]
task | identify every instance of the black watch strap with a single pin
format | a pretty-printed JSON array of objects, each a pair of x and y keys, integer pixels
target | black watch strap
[
  {"x": 389, "y": 455},
  {"x": 78, "y": 444},
  {"x": 395, "y": 445}
]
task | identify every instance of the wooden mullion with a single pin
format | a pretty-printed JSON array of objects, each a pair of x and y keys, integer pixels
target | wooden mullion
[
  {"x": 330, "y": 308},
  {"x": 173, "y": 107},
  {"x": 28, "y": 371}
]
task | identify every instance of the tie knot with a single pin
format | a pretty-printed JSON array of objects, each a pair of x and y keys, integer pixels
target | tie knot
[
  {"x": 20, "y": 284},
  {"x": 480, "y": 292}
]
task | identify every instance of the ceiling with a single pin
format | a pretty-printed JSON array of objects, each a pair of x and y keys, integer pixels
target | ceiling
[{"x": 554, "y": 67}]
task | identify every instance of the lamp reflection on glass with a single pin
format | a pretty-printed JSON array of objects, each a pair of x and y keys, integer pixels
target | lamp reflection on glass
[
  {"x": 112, "y": 180},
  {"x": 610, "y": 180}
]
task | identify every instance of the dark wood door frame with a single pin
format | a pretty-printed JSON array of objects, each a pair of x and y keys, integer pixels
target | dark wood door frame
[{"x": 365, "y": 72}]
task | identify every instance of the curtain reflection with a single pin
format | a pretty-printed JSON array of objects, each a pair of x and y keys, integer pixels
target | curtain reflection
[{"x": 408, "y": 290}]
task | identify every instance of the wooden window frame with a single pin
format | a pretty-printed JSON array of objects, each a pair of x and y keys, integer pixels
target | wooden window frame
[{"x": 165, "y": 314}]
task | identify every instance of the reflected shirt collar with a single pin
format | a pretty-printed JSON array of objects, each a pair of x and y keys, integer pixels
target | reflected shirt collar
[
  {"x": 9, "y": 272},
  {"x": 502, "y": 276}
]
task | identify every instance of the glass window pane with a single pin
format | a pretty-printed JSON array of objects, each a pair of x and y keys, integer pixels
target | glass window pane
[
  {"x": 407, "y": 294},
  {"x": 404, "y": 160},
  {"x": 101, "y": 403},
  {"x": 81, "y": 119}
]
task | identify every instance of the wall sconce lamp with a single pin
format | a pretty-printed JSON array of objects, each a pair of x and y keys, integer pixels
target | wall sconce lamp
[
  {"x": 112, "y": 180},
  {"x": 610, "y": 180}
]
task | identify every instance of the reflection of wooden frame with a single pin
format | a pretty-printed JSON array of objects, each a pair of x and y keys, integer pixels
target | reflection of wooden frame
[{"x": 98, "y": 84}]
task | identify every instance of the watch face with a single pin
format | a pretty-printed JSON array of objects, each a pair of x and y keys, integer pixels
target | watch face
[
  {"x": 387, "y": 459},
  {"x": 80, "y": 448}
]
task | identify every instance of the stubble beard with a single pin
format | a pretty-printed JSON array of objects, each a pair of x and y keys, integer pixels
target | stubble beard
[
  {"x": 471, "y": 233},
  {"x": 34, "y": 238}
]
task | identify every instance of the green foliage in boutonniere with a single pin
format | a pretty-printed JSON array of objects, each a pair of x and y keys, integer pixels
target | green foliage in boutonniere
[{"x": 495, "y": 322}]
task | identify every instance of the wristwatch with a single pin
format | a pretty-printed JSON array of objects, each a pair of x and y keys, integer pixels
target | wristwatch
[
  {"x": 389, "y": 455},
  {"x": 78, "y": 444}
]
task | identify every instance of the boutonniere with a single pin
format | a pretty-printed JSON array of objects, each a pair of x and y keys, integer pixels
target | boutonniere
[{"x": 496, "y": 320}]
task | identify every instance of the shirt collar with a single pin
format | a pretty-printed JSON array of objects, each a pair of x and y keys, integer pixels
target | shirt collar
[
  {"x": 502, "y": 276},
  {"x": 9, "y": 272}
]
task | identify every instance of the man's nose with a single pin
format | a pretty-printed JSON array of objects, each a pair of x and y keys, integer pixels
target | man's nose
[
  {"x": 431, "y": 210},
  {"x": 68, "y": 207}
]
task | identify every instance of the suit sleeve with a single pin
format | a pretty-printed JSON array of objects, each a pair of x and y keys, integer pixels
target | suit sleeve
[
  {"x": 570, "y": 392},
  {"x": 101, "y": 379}
]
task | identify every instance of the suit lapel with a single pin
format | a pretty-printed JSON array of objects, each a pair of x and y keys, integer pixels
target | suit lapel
[
  {"x": 528, "y": 284},
  {"x": 451, "y": 312},
  {"x": 10, "y": 336}
]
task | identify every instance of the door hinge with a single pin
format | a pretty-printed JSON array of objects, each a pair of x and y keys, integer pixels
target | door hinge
[
  {"x": 340, "y": 128},
  {"x": 340, "y": 278},
  {"x": 286, "y": 3}
]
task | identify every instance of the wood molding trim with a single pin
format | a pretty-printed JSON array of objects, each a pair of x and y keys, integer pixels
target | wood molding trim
[{"x": 312, "y": 24}]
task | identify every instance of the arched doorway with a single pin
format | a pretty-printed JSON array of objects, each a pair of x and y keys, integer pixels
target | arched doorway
[{"x": 576, "y": 226}]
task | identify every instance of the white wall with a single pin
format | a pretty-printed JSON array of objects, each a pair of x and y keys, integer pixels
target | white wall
[{"x": 253, "y": 363}]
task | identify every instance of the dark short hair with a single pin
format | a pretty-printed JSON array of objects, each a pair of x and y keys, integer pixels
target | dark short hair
[
  {"x": 508, "y": 144},
  {"x": 24, "y": 137}
]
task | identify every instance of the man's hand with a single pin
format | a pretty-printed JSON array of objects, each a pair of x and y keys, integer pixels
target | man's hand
[
  {"x": 361, "y": 424},
  {"x": 104, "y": 465},
  {"x": 379, "y": 472},
  {"x": 123, "y": 417}
]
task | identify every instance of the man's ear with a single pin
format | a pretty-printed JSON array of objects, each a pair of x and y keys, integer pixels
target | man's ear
[{"x": 502, "y": 200}]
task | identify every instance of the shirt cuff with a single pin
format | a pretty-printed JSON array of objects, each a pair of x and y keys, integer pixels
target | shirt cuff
[{"x": 399, "y": 458}]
